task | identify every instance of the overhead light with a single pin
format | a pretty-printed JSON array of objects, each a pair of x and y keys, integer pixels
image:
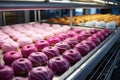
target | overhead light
[
  {"x": 116, "y": 3},
  {"x": 110, "y": 2},
  {"x": 100, "y": 1}
]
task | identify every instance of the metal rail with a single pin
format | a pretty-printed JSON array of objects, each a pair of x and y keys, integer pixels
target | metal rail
[
  {"x": 101, "y": 67},
  {"x": 35, "y": 5}
]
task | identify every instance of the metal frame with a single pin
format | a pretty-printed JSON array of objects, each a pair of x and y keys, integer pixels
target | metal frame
[
  {"x": 27, "y": 16},
  {"x": 52, "y": 4},
  {"x": 5, "y": 6},
  {"x": 112, "y": 67},
  {"x": 39, "y": 16},
  {"x": 71, "y": 15},
  {"x": 1, "y": 20},
  {"x": 35, "y": 15}
]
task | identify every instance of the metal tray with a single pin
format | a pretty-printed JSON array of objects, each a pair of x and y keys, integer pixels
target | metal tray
[
  {"x": 83, "y": 60},
  {"x": 69, "y": 73}
]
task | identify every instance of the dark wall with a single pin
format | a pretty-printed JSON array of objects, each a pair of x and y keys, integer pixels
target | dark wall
[
  {"x": 105, "y": 11},
  {"x": 116, "y": 11}
]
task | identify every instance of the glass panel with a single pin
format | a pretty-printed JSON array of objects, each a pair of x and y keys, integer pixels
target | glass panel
[
  {"x": 93, "y": 11},
  {"x": 79, "y": 11},
  {"x": 14, "y": 17}
]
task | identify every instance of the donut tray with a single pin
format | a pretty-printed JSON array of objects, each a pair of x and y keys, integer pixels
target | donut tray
[
  {"x": 78, "y": 64},
  {"x": 80, "y": 25},
  {"x": 83, "y": 60},
  {"x": 83, "y": 25}
]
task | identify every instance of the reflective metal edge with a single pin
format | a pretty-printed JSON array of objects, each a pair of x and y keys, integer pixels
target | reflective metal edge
[
  {"x": 112, "y": 67},
  {"x": 84, "y": 70},
  {"x": 5, "y": 6}
]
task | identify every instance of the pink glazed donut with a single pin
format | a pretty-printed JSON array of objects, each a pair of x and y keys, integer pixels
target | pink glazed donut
[
  {"x": 22, "y": 41},
  {"x": 11, "y": 56},
  {"x": 28, "y": 49},
  {"x": 10, "y": 46},
  {"x": 40, "y": 44}
]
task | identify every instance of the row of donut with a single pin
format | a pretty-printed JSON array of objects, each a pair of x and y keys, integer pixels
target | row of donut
[
  {"x": 19, "y": 35},
  {"x": 85, "y": 18},
  {"x": 46, "y": 58},
  {"x": 101, "y": 24}
]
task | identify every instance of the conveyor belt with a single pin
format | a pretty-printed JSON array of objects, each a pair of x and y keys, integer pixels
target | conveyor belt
[{"x": 103, "y": 69}]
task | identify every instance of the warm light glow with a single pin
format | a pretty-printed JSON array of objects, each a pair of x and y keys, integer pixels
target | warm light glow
[
  {"x": 111, "y": 3},
  {"x": 100, "y": 1}
]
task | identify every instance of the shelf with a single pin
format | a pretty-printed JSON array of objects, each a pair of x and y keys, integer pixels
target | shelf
[
  {"x": 85, "y": 69},
  {"x": 85, "y": 66},
  {"x": 6, "y": 5}
]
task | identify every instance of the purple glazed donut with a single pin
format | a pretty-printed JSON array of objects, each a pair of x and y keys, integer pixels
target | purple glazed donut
[
  {"x": 6, "y": 72},
  {"x": 28, "y": 49},
  {"x": 58, "y": 64},
  {"x": 38, "y": 58},
  {"x": 22, "y": 66},
  {"x": 41, "y": 44},
  {"x": 40, "y": 73},
  {"x": 51, "y": 51},
  {"x": 62, "y": 46},
  {"x": 72, "y": 55}
]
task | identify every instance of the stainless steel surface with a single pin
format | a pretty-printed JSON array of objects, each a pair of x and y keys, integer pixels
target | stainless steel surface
[
  {"x": 35, "y": 15},
  {"x": 39, "y": 16},
  {"x": 71, "y": 15},
  {"x": 1, "y": 20},
  {"x": 109, "y": 63},
  {"x": 27, "y": 16},
  {"x": 109, "y": 74},
  {"x": 105, "y": 68},
  {"x": 6, "y": 6}
]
